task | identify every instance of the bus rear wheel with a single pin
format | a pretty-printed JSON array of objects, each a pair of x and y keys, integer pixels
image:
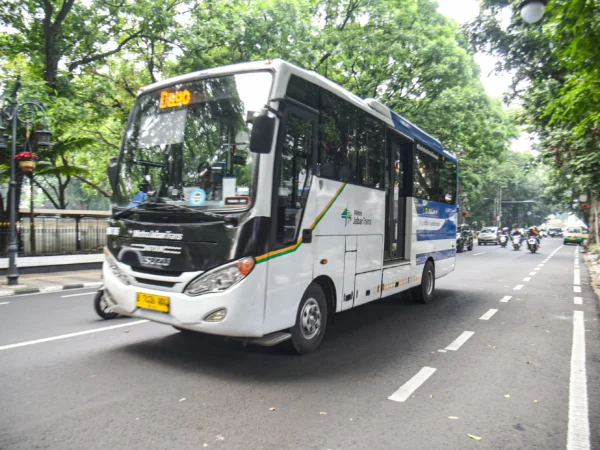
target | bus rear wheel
[
  {"x": 424, "y": 292},
  {"x": 311, "y": 320}
]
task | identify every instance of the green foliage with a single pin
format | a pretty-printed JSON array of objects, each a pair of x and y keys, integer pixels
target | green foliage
[{"x": 87, "y": 63}]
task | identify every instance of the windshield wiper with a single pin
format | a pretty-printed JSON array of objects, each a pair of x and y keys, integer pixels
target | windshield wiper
[
  {"x": 225, "y": 218},
  {"x": 130, "y": 209}
]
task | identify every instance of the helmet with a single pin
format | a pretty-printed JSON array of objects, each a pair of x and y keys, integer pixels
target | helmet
[
  {"x": 505, "y": 229},
  {"x": 533, "y": 229}
]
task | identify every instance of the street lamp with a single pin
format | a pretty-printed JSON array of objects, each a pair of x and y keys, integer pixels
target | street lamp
[
  {"x": 532, "y": 11},
  {"x": 14, "y": 112}
]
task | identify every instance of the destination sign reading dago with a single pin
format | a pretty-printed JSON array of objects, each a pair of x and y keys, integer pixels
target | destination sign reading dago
[{"x": 173, "y": 99}]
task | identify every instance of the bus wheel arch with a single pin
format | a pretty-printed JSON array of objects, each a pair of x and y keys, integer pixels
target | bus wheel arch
[
  {"x": 425, "y": 291},
  {"x": 328, "y": 287}
]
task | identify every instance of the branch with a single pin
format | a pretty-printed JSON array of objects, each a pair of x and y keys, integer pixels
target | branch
[
  {"x": 95, "y": 186},
  {"x": 352, "y": 6},
  {"x": 64, "y": 10},
  {"x": 46, "y": 193},
  {"x": 100, "y": 56},
  {"x": 322, "y": 60}
]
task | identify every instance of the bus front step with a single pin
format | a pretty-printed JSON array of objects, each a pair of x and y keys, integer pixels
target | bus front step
[{"x": 271, "y": 339}]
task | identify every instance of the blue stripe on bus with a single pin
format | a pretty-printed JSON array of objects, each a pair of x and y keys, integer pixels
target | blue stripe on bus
[
  {"x": 437, "y": 255},
  {"x": 435, "y": 235}
]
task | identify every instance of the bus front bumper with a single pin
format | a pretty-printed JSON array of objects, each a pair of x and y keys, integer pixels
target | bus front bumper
[{"x": 243, "y": 305}]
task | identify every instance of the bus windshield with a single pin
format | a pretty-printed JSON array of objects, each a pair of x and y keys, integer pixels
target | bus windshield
[{"x": 187, "y": 145}]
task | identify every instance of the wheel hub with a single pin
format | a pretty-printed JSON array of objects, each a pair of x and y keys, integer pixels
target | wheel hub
[{"x": 310, "y": 318}]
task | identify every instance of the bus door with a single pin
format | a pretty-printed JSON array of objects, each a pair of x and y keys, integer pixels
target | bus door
[{"x": 399, "y": 152}]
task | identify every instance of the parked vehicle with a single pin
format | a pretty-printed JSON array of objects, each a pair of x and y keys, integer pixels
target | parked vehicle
[
  {"x": 464, "y": 238},
  {"x": 488, "y": 235},
  {"x": 555, "y": 232},
  {"x": 575, "y": 235},
  {"x": 532, "y": 244},
  {"x": 516, "y": 241}
]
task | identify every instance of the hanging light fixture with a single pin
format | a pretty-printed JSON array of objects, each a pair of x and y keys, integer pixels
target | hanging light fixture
[
  {"x": 41, "y": 138},
  {"x": 532, "y": 11}
]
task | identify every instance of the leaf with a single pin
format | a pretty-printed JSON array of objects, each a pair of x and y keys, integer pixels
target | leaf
[
  {"x": 182, "y": 399},
  {"x": 430, "y": 395},
  {"x": 507, "y": 396},
  {"x": 271, "y": 409},
  {"x": 323, "y": 413},
  {"x": 453, "y": 417},
  {"x": 536, "y": 401},
  {"x": 476, "y": 438}
]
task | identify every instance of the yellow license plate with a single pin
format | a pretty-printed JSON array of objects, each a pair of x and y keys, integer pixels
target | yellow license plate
[{"x": 151, "y": 301}]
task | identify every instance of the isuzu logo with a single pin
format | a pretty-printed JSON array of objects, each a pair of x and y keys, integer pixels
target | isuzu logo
[
  {"x": 158, "y": 235},
  {"x": 158, "y": 248}
]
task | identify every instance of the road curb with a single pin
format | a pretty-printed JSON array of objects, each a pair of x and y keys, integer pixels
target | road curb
[
  {"x": 594, "y": 273},
  {"x": 64, "y": 287}
]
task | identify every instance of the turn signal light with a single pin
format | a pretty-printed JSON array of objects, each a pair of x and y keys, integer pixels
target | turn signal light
[{"x": 245, "y": 265}]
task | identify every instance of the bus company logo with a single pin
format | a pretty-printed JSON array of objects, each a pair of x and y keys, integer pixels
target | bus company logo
[
  {"x": 430, "y": 212},
  {"x": 347, "y": 216}
]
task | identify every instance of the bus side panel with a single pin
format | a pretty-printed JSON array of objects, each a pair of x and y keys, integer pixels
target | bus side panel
[
  {"x": 433, "y": 236},
  {"x": 395, "y": 279},
  {"x": 329, "y": 261}
]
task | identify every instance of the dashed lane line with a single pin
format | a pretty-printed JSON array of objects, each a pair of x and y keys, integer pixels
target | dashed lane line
[
  {"x": 576, "y": 277},
  {"x": 505, "y": 299},
  {"x": 578, "y": 434},
  {"x": 459, "y": 341},
  {"x": 477, "y": 254},
  {"x": 527, "y": 279},
  {"x": 70, "y": 335},
  {"x": 488, "y": 315},
  {"x": 407, "y": 389},
  {"x": 77, "y": 295},
  {"x": 532, "y": 273},
  {"x": 577, "y": 289},
  {"x": 518, "y": 287},
  {"x": 4, "y": 303},
  {"x": 578, "y": 300}
]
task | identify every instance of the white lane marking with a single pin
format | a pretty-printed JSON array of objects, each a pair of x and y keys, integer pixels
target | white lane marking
[
  {"x": 577, "y": 289},
  {"x": 459, "y": 341},
  {"x": 92, "y": 284},
  {"x": 412, "y": 385},
  {"x": 518, "y": 287},
  {"x": 488, "y": 315},
  {"x": 578, "y": 300},
  {"x": 77, "y": 295},
  {"x": 6, "y": 292},
  {"x": 532, "y": 273},
  {"x": 527, "y": 279},
  {"x": 506, "y": 298},
  {"x": 477, "y": 254},
  {"x": 4, "y": 303},
  {"x": 576, "y": 278},
  {"x": 51, "y": 289},
  {"x": 65, "y": 336},
  {"x": 578, "y": 434}
]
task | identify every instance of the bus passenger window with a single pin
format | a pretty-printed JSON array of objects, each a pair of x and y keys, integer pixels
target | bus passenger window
[{"x": 294, "y": 178}]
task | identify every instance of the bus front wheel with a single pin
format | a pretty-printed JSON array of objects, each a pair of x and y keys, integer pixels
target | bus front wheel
[
  {"x": 424, "y": 292},
  {"x": 311, "y": 320}
]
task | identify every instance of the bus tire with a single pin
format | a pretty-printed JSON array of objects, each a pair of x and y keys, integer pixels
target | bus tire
[
  {"x": 424, "y": 292},
  {"x": 311, "y": 320}
]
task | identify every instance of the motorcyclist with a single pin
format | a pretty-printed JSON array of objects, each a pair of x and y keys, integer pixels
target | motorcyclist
[
  {"x": 533, "y": 232},
  {"x": 517, "y": 232},
  {"x": 504, "y": 232}
]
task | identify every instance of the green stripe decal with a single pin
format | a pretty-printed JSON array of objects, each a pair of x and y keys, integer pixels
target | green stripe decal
[{"x": 293, "y": 248}]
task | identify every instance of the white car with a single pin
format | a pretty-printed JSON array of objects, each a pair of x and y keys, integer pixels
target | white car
[{"x": 488, "y": 235}]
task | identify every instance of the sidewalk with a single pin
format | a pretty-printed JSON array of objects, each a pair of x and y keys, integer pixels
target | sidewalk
[
  {"x": 593, "y": 263},
  {"x": 50, "y": 282},
  {"x": 40, "y": 264}
]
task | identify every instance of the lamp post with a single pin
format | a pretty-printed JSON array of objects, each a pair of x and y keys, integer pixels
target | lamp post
[
  {"x": 532, "y": 11},
  {"x": 12, "y": 112}
]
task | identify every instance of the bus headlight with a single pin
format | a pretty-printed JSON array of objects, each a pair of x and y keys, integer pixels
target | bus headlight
[
  {"x": 221, "y": 278},
  {"x": 114, "y": 267}
]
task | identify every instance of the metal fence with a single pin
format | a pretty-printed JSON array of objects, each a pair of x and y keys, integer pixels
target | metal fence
[{"x": 57, "y": 236}]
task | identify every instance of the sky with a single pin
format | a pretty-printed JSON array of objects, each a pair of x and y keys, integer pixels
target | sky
[{"x": 463, "y": 11}]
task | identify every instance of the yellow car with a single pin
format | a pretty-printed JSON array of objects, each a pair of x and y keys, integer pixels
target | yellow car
[{"x": 575, "y": 235}]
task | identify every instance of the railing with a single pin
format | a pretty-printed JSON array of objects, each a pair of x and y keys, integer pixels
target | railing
[{"x": 57, "y": 236}]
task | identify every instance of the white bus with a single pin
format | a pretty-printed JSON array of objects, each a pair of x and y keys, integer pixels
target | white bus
[{"x": 255, "y": 200}]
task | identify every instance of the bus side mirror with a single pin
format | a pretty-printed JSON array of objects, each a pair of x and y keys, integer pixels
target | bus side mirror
[
  {"x": 113, "y": 172},
  {"x": 263, "y": 127}
]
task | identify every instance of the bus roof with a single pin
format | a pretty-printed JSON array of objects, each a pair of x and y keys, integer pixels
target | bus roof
[{"x": 371, "y": 105}]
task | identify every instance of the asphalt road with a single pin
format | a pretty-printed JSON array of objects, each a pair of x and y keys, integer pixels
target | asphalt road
[{"x": 389, "y": 375}]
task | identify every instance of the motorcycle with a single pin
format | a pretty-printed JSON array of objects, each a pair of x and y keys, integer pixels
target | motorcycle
[
  {"x": 101, "y": 305},
  {"x": 516, "y": 241},
  {"x": 503, "y": 240},
  {"x": 532, "y": 244}
]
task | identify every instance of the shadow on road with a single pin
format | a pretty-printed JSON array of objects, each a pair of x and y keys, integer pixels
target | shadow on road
[{"x": 360, "y": 341}]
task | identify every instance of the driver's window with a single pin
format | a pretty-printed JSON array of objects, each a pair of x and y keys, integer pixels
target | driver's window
[{"x": 294, "y": 177}]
